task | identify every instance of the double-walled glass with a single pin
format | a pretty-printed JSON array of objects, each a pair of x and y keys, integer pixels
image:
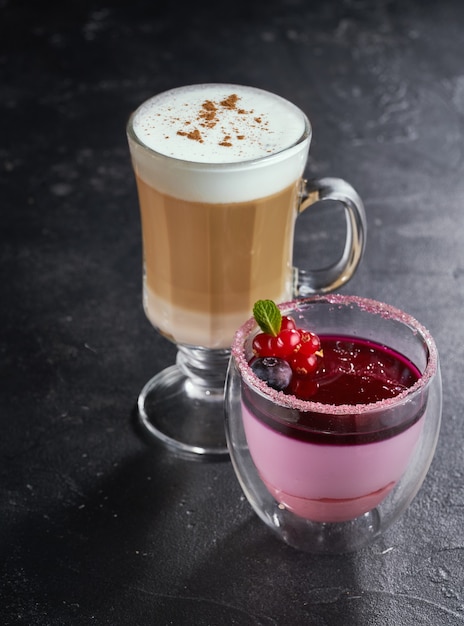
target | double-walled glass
[{"x": 332, "y": 478}]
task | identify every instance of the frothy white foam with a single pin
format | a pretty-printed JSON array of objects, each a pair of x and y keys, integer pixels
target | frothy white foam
[
  {"x": 225, "y": 143},
  {"x": 218, "y": 123}
]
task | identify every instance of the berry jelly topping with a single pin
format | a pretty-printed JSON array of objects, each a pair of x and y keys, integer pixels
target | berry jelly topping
[{"x": 327, "y": 369}]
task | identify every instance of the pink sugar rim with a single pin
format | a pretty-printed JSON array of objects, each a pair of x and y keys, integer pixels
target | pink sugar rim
[{"x": 370, "y": 306}]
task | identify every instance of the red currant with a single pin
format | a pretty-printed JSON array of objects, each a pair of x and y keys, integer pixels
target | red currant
[
  {"x": 310, "y": 342},
  {"x": 281, "y": 346},
  {"x": 288, "y": 323},
  {"x": 286, "y": 342},
  {"x": 262, "y": 345},
  {"x": 303, "y": 364}
]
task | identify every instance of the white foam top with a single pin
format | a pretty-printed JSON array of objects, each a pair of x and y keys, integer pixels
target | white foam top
[
  {"x": 216, "y": 123},
  {"x": 226, "y": 143}
]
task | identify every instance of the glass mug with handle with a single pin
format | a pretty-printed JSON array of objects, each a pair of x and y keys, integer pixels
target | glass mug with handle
[{"x": 219, "y": 172}]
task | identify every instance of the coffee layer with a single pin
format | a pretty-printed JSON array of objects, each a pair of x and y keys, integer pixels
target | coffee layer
[{"x": 206, "y": 264}]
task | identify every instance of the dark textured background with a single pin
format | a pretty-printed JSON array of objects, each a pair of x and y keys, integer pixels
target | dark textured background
[{"x": 96, "y": 527}]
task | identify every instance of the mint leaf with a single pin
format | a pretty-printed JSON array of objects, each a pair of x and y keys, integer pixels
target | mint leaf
[{"x": 268, "y": 317}]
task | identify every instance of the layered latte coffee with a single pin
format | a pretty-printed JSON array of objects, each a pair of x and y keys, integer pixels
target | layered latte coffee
[{"x": 218, "y": 170}]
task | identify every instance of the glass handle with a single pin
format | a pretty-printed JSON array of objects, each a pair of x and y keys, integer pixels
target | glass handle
[{"x": 307, "y": 282}]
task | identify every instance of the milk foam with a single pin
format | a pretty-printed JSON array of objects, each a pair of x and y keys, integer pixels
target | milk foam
[
  {"x": 218, "y": 123},
  {"x": 224, "y": 143}
]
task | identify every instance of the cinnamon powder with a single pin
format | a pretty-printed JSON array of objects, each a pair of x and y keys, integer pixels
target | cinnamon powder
[
  {"x": 230, "y": 102},
  {"x": 209, "y": 115},
  {"x": 195, "y": 135}
]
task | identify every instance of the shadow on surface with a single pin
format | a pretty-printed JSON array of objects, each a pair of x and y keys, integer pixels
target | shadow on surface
[{"x": 75, "y": 563}]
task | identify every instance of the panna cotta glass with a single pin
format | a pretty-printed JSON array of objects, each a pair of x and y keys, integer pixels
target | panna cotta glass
[{"x": 331, "y": 473}]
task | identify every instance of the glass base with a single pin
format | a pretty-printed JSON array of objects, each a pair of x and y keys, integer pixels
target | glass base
[
  {"x": 183, "y": 406},
  {"x": 326, "y": 537}
]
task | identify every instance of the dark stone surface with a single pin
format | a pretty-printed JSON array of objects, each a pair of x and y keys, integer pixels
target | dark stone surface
[{"x": 97, "y": 527}]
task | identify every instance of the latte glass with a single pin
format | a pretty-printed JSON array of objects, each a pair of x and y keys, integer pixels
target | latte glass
[
  {"x": 330, "y": 477},
  {"x": 219, "y": 172}
]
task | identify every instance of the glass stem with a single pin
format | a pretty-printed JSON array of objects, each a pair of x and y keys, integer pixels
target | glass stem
[{"x": 205, "y": 368}]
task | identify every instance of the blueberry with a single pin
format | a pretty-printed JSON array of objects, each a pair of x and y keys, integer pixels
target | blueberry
[{"x": 277, "y": 373}]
